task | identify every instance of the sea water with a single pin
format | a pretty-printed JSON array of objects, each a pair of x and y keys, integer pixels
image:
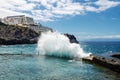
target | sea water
[
  {"x": 19, "y": 67},
  {"x": 42, "y": 67}
]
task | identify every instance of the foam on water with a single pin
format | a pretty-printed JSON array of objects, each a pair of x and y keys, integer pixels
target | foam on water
[{"x": 57, "y": 45}]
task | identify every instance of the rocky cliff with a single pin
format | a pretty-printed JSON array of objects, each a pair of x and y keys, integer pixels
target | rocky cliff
[
  {"x": 17, "y": 35},
  {"x": 10, "y": 35}
]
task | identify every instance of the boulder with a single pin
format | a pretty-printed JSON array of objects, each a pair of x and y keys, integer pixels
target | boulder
[{"x": 72, "y": 38}]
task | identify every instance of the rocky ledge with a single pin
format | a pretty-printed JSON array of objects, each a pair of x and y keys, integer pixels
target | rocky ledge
[{"x": 110, "y": 61}]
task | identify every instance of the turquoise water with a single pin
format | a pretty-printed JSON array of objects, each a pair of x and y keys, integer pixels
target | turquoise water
[
  {"x": 17, "y": 49},
  {"x": 101, "y": 47},
  {"x": 36, "y": 67}
]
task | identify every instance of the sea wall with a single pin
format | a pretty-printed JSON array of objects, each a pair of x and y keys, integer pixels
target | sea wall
[{"x": 108, "y": 61}]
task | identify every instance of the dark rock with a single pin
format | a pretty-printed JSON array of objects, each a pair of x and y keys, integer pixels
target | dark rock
[
  {"x": 116, "y": 55},
  {"x": 10, "y": 35},
  {"x": 72, "y": 38},
  {"x": 106, "y": 61}
]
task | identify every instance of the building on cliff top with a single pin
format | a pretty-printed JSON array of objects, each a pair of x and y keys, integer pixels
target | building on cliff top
[
  {"x": 24, "y": 21},
  {"x": 18, "y": 20}
]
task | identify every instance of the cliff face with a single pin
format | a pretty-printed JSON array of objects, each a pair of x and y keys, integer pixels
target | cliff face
[
  {"x": 10, "y": 35},
  {"x": 17, "y": 35}
]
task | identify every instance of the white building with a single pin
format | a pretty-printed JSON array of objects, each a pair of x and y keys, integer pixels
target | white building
[
  {"x": 23, "y": 21},
  {"x": 16, "y": 20}
]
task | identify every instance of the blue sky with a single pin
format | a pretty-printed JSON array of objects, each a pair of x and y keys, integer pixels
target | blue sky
[
  {"x": 95, "y": 25},
  {"x": 86, "y": 19}
]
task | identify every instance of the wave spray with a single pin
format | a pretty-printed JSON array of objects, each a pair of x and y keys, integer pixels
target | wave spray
[{"x": 58, "y": 45}]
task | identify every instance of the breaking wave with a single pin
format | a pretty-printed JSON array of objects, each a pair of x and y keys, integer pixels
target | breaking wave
[{"x": 58, "y": 45}]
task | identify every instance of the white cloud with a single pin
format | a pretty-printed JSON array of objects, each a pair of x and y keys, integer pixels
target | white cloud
[
  {"x": 104, "y": 37},
  {"x": 91, "y": 8},
  {"x": 102, "y": 5},
  {"x": 48, "y": 10},
  {"x": 87, "y": 36},
  {"x": 6, "y": 12},
  {"x": 106, "y": 4}
]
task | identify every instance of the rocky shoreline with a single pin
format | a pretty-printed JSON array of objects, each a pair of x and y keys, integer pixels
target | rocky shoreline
[
  {"x": 108, "y": 61},
  {"x": 11, "y": 35}
]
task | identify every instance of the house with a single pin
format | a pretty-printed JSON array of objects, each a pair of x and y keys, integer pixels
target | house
[
  {"x": 24, "y": 21},
  {"x": 18, "y": 20}
]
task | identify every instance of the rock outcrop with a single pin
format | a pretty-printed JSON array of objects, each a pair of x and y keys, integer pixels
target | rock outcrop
[
  {"x": 108, "y": 61},
  {"x": 72, "y": 38},
  {"x": 116, "y": 55},
  {"x": 17, "y": 35},
  {"x": 10, "y": 35}
]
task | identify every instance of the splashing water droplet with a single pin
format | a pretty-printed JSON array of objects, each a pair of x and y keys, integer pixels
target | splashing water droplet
[{"x": 58, "y": 45}]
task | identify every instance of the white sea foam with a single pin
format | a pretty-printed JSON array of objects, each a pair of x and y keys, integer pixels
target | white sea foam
[{"x": 58, "y": 45}]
